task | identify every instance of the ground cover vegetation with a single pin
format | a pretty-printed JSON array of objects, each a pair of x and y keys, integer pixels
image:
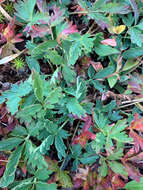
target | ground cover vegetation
[{"x": 71, "y": 93}]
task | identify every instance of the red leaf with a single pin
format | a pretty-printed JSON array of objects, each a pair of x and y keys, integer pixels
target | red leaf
[
  {"x": 9, "y": 33},
  {"x": 138, "y": 140},
  {"x": 133, "y": 172},
  {"x": 85, "y": 134},
  {"x": 137, "y": 123},
  {"x": 96, "y": 65},
  {"x": 70, "y": 29},
  {"x": 2, "y": 170},
  {"x": 110, "y": 42},
  {"x": 117, "y": 182},
  {"x": 39, "y": 31},
  {"x": 137, "y": 158}
]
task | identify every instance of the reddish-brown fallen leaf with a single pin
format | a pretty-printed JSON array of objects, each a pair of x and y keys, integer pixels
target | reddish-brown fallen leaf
[
  {"x": 117, "y": 182},
  {"x": 137, "y": 123},
  {"x": 137, "y": 158},
  {"x": 85, "y": 134},
  {"x": 138, "y": 141},
  {"x": 105, "y": 183},
  {"x": 110, "y": 42},
  {"x": 133, "y": 172}
]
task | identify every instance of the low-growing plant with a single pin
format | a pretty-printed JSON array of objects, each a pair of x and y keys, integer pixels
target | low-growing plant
[{"x": 77, "y": 118}]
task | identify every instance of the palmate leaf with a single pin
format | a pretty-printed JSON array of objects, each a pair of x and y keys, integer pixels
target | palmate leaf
[
  {"x": 27, "y": 112},
  {"x": 33, "y": 157},
  {"x": 74, "y": 107},
  {"x": 25, "y": 9},
  {"x": 117, "y": 133},
  {"x": 80, "y": 44},
  {"x": 11, "y": 166},
  {"x": 15, "y": 94}
]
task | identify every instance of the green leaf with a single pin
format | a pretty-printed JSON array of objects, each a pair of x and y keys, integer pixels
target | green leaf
[
  {"x": 33, "y": 64},
  {"x": 64, "y": 179},
  {"x": 133, "y": 53},
  {"x": 118, "y": 168},
  {"x": 116, "y": 132},
  {"x": 54, "y": 57},
  {"x": 81, "y": 44},
  {"x": 22, "y": 185},
  {"x": 74, "y": 53},
  {"x": 98, "y": 4},
  {"x": 45, "y": 186},
  {"x": 105, "y": 50},
  {"x": 136, "y": 36},
  {"x": 74, "y": 107},
  {"x": 54, "y": 77},
  {"x": 45, "y": 146},
  {"x": 69, "y": 74},
  {"x": 114, "y": 8},
  {"x": 54, "y": 96},
  {"x": 112, "y": 81},
  {"x": 116, "y": 155},
  {"x": 42, "y": 174},
  {"x": 29, "y": 110},
  {"x": 9, "y": 174},
  {"x": 99, "y": 142},
  {"x": 130, "y": 63},
  {"x": 13, "y": 104},
  {"x": 140, "y": 25},
  {"x": 98, "y": 85},
  {"x": 15, "y": 94},
  {"x": 43, "y": 47},
  {"x": 60, "y": 146},
  {"x": 10, "y": 143},
  {"x": 134, "y": 185},
  {"x": 25, "y": 9},
  {"x": 19, "y": 131},
  {"x": 38, "y": 86},
  {"x": 105, "y": 72},
  {"x": 88, "y": 159},
  {"x": 103, "y": 169},
  {"x": 33, "y": 157}
]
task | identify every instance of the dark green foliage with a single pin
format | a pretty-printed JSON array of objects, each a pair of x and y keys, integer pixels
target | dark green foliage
[{"x": 75, "y": 110}]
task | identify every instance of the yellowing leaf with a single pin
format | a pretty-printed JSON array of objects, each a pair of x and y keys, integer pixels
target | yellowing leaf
[{"x": 118, "y": 29}]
